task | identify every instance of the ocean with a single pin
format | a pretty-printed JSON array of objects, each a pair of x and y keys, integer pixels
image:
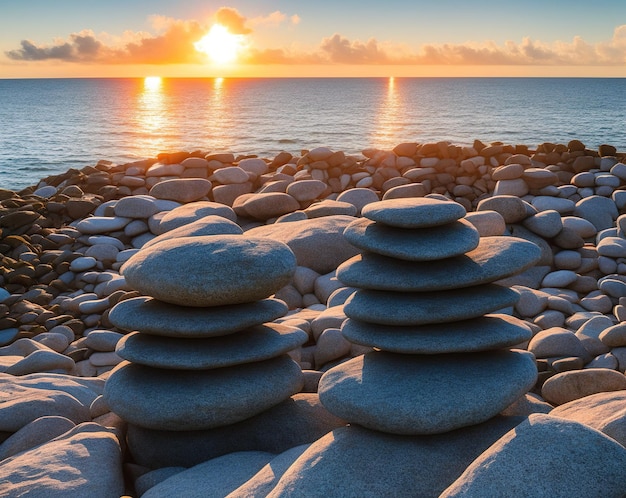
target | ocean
[{"x": 50, "y": 125}]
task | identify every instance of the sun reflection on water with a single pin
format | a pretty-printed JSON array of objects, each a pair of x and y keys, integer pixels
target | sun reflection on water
[
  {"x": 388, "y": 127},
  {"x": 151, "y": 115}
]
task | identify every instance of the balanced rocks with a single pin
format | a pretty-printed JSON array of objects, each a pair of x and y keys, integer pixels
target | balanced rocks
[
  {"x": 202, "y": 352},
  {"x": 427, "y": 302}
]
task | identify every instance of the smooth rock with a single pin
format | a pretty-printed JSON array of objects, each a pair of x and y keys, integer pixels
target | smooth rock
[
  {"x": 568, "y": 386},
  {"x": 269, "y": 205},
  {"x": 189, "y": 213},
  {"x": 511, "y": 208},
  {"x": 85, "y": 461},
  {"x": 181, "y": 189},
  {"x": 585, "y": 463},
  {"x": 357, "y": 462},
  {"x": 420, "y": 308},
  {"x": 557, "y": 341},
  {"x": 416, "y": 402},
  {"x": 151, "y": 316},
  {"x": 159, "y": 399},
  {"x": 208, "y": 225},
  {"x": 495, "y": 258},
  {"x": 300, "y": 419},
  {"x": 488, "y": 223},
  {"x": 419, "y": 212},
  {"x": 39, "y": 431},
  {"x": 260, "y": 342},
  {"x": 605, "y": 412},
  {"x": 600, "y": 211},
  {"x": 136, "y": 206},
  {"x": 318, "y": 244},
  {"x": 479, "y": 334},
  {"x": 102, "y": 224},
  {"x": 358, "y": 197},
  {"x": 212, "y": 479},
  {"x": 423, "y": 244},
  {"x": 211, "y": 270}
]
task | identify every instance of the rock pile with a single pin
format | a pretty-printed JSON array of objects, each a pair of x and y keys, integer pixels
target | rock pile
[{"x": 203, "y": 352}]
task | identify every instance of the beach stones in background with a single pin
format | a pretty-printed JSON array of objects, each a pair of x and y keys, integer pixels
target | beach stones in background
[{"x": 400, "y": 305}]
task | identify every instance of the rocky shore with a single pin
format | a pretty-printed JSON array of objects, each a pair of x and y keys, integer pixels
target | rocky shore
[{"x": 235, "y": 303}]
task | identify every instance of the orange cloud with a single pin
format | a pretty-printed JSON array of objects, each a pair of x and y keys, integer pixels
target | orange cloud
[{"x": 231, "y": 18}]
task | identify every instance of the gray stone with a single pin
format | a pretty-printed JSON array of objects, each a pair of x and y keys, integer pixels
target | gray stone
[
  {"x": 429, "y": 394},
  {"x": 37, "y": 432},
  {"x": 136, "y": 206},
  {"x": 189, "y": 213},
  {"x": 208, "y": 225},
  {"x": 182, "y": 189},
  {"x": 478, "y": 334},
  {"x": 557, "y": 341},
  {"x": 102, "y": 340},
  {"x": 488, "y": 223},
  {"x": 546, "y": 223},
  {"x": 151, "y": 316},
  {"x": 512, "y": 208},
  {"x": 419, "y": 212},
  {"x": 85, "y": 461},
  {"x": 600, "y": 211},
  {"x": 260, "y": 342},
  {"x": 328, "y": 207},
  {"x": 42, "y": 361},
  {"x": 420, "y": 308},
  {"x": 214, "y": 478},
  {"x": 318, "y": 244},
  {"x": 423, "y": 244},
  {"x": 85, "y": 391},
  {"x": 300, "y": 419},
  {"x": 199, "y": 399},
  {"x": 495, "y": 258},
  {"x": 358, "y": 197},
  {"x": 150, "y": 479},
  {"x": 264, "y": 481},
  {"x": 605, "y": 412},
  {"x": 582, "y": 462},
  {"x": 568, "y": 386},
  {"x": 211, "y": 270},
  {"x": 356, "y": 462}
]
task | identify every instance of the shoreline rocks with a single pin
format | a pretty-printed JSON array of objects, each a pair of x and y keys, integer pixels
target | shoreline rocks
[{"x": 64, "y": 241}]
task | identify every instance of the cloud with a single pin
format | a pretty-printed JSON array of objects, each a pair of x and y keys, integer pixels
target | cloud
[
  {"x": 172, "y": 42},
  {"x": 231, "y": 18}
]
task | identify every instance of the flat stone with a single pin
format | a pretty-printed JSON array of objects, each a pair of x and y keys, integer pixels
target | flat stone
[
  {"x": 612, "y": 247},
  {"x": 429, "y": 394},
  {"x": 488, "y": 223},
  {"x": 215, "y": 478},
  {"x": 42, "y": 361},
  {"x": 306, "y": 190},
  {"x": 546, "y": 223},
  {"x": 85, "y": 461},
  {"x": 358, "y": 197},
  {"x": 150, "y": 316},
  {"x": 582, "y": 462},
  {"x": 102, "y": 224},
  {"x": 269, "y": 205},
  {"x": 329, "y": 207},
  {"x": 208, "y": 225},
  {"x": 423, "y": 244},
  {"x": 182, "y": 189},
  {"x": 568, "y": 386},
  {"x": 37, "y": 432},
  {"x": 180, "y": 400},
  {"x": 421, "y": 308},
  {"x": 21, "y": 405},
  {"x": 211, "y": 270},
  {"x": 512, "y": 208},
  {"x": 494, "y": 258},
  {"x": 418, "y": 212},
  {"x": 136, "y": 206},
  {"x": 318, "y": 244},
  {"x": 556, "y": 341},
  {"x": 478, "y": 334},
  {"x": 600, "y": 211},
  {"x": 260, "y": 342},
  {"x": 396, "y": 465},
  {"x": 605, "y": 412},
  {"x": 300, "y": 419},
  {"x": 184, "y": 215},
  {"x": 7, "y": 336},
  {"x": 549, "y": 203}
]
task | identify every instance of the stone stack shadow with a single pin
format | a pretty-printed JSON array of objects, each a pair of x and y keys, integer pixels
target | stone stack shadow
[{"x": 426, "y": 303}]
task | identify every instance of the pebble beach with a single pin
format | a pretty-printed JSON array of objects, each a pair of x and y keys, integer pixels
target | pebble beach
[{"x": 431, "y": 320}]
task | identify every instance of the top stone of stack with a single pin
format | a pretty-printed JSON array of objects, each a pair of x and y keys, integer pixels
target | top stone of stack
[{"x": 419, "y": 212}]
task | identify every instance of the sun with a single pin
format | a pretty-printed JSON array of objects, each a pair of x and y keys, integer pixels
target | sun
[{"x": 220, "y": 44}]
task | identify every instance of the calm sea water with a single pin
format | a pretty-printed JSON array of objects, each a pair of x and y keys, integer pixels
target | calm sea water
[{"x": 50, "y": 125}]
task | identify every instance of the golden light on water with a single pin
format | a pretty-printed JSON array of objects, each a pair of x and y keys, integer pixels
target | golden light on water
[
  {"x": 151, "y": 114},
  {"x": 388, "y": 126},
  {"x": 152, "y": 83},
  {"x": 221, "y": 45}
]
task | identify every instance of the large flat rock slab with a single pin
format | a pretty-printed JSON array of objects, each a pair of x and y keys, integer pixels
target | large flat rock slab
[
  {"x": 426, "y": 394},
  {"x": 150, "y": 316},
  {"x": 186, "y": 400},
  {"x": 495, "y": 258},
  {"x": 420, "y": 308},
  {"x": 211, "y": 270}
]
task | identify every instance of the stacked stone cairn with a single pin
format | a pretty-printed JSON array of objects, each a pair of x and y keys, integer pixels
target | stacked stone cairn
[
  {"x": 203, "y": 352},
  {"x": 426, "y": 401}
]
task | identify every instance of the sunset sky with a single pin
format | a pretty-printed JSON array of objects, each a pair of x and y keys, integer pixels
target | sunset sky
[{"x": 118, "y": 38}]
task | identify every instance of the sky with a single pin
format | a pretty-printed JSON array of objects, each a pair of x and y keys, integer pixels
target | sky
[{"x": 320, "y": 38}]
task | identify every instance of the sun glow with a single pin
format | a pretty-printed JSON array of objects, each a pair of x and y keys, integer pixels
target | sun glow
[{"x": 220, "y": 45}]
